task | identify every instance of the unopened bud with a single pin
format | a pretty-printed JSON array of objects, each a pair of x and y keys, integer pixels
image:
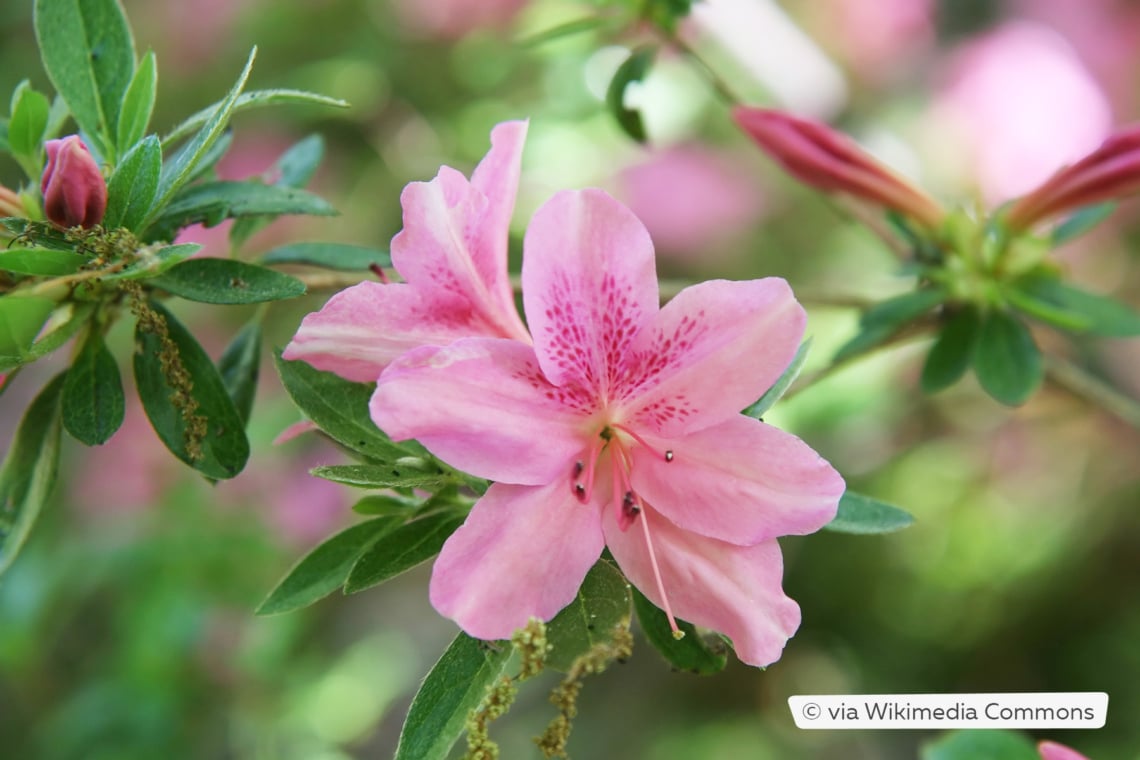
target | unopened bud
[{"x": 75, "y": 193}]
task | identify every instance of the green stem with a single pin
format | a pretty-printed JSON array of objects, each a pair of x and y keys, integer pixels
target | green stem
[{"x": 1080, "y": 383}]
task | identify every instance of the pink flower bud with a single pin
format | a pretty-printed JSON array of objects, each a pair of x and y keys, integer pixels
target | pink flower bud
[
  {"x": 1054, "y": 751},
  {"x": 74, "y": 190},
  {"x": 10, "y": 203},
  {"x": 1111, "y": 171},
  {"x": 819, "y": 156}
]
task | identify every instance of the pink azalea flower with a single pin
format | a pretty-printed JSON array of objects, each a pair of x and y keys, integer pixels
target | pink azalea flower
[
  {"x": 452, "y": 254},
  {"x": 618, "y": 427},
  {"x": 1054, "y": 751}
]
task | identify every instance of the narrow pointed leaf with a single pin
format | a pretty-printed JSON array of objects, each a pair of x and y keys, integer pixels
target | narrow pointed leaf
[
  {"x": 601, "y": 605},
  {"x": 882, "y": 321},
  {"x": 780, "y": 387},
  {"x": 863, "y": 515},
  {"x": 382, "y": 505},
  {"x": 952, "y": 352},
  {"x": 29, "y": 471},
  {"x": 227, "y": 281},
  {"x": 324, "y": 569},
  {"x": 1081, "y": 222},
  {"x": 340, "y": 256},
  {"x": 28, "y": 123},
  {"x": 633, "y": 69},
  {"x": 240, "y": 365},
  {"x": 63, "y": 323},
  {"x": 1104, "y": 316},
  {"x": 138, "y": 104},
  {"x": 224, "y": 448},
  {"x": 132, "y": 188},
  {"x": 382, "y": 476},
  {"x": 294, "y": 168},
  {"x": 155, "y": 260},
  {"x": 253, "y": 99},
  {"x": 41, "y": 261},
  {"x": 1006, "y": 360},
  {"x": 211, "y": 203},
  {"x": 455, "y": 686},
  {"x": 93, "y": 400},
  {"x": 692, "y": 654},
  {"x": 401, "y": 549}
]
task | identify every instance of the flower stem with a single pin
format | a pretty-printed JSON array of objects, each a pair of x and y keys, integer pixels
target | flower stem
[{"x": 1080, "y": 383}]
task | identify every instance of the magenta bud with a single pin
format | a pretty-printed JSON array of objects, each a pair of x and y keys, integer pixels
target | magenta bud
[
  {"x": 1109, "y": 172},
  {"x": 75, "y": 193},
  {"x": 827, "y": 160},
  {"x": 10, "y": 203}
]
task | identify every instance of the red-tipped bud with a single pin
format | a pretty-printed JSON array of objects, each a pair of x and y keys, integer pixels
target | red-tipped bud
[
  {"x": 74, "y": 190},
  {"x": 10, "y": 203},
  {"x": 1111, "y": 171},
  {"x": 819, "y": 156}
]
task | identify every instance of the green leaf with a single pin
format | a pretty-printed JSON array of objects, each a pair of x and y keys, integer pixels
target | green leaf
[
  {"x": 89, "y": 55},
  {"x": 182, "y": 167},
  {"x": 29, "y": 232},
  {"x": 1006, "y": 360},
  {"x": 28, "y": 123},
  {"x": 154, "y": 260},
  {"x": 133, "y": 186},
  {"x": 666, "y": 13},
  {"x": 410, "y": 474},
  {"x": 633, "y": 69},
  {"x": 325, "y": 568},
  {"x": 383, "y": 505},
  {"x": 253, "y": 99},
  {"x": 239, "y": 367},
  {"x": 213, "y": 202},
  {"x": 21, "y": 318},
  {"x": 976, "y": 744},
  {"x": 5, "y": 146},
  {"x": 691, "y": 654},
  {"x": 601, "y": 605},
  {"x": 1101, "y": 315},
  {"x": 454, "y": 687},
  {"x": 340, "y": 256},
  {"x": 227, "y": 281},
  {"x": 1081, "y": 221},
  {"x": 952, "y": 353},
  {"x": 93, "y": 401},
  {"x": 41, "y": 261},
  {"x": 29, "y": 471},
  {"x": 862, "y": 515},
  {"x": 65, "y": 321},
  {"x": 138, "y": 104},
  {"x": 401, "y": 549},
  {"x": 339, "y": 407},
  {"x": 224, "y": 447},
  {"x": 566, "y": 29},
  {"x": 1043, "y": 310},
  {"x": 295, "y": 167},
  {"x": 883, "y": 320},
  {"x": 789, "y": 375}
]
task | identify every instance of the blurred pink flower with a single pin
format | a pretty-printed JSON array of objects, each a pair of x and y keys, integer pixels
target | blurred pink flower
[
  {"x": 690, "y": 198},
  {"x": 74, "y": 191},
  {"x": 621, "y": 414},
  {"x": 454, "y": 19},
  {"x": 1054, "y": 751},
  {"x": 875, "y": 38},
  {"x": 1021, "y": 104}
]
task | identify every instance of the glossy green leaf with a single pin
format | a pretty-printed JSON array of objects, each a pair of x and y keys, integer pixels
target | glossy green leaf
[
  {"x": 883, "y": 320},
  {"x": 339, "y": 407},
  {"x": 21, "y": 318},
  {"x": 240, "y": 366},
  {"x": 384, "y": 505},
  {"x": 294, "y": 168},
  {"x": 211, "y": 203},
  {"x": 691, "y": 654},
  {"x": 41, "y": 261},
  {"x": 1006, "y": 360},
  {"x": 325, "y": 568},
  {"x": 601, "y": 605},
  {"x": 633, "y": 69},
  {"x": 454, "y": 687},
  {"x": 416, "y": 473},
  {"x": 29, "y": 471},
  {"x": 138, "y": 104},
  {"x": 132, "y": 189},
  {"x": 154, "y": 260},
  {"x": 227, "y": 281},
  {"x": 29, "y": 121},
  {"x": 182, "y": 166},
  {"x": 63, "y": 323},
  {"x": 1099, "y": 314},
  {"x": 32, "y": 233},
  {"x": 224, "y": 447},
  {"x": 780, "y": 387},
  {"x": 89, "y": 55},
  {"x": 401, "y": 549},
  {"x": 862, "y": 515},
  {"x": 93, "y": 401},
  {"x": 977, "y": 744},
  {"x": 953, "y": 351},
  {"x": 250, "y": 100},
  {"x": 340, "y": 256},
  {"x": 1081, "y": 221}
]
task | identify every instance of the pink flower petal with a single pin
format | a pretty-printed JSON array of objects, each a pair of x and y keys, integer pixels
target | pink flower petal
[
  {"x": 483, "y": 406},
  {"x": 589, "y": 285},
  {"x": 453, "y": 247},
  {"x": 712, "y": 351},
  {"x": 741, "y": 481},
  {"x": 295, "y": 430},
  {"x": 522, "y": 553},
  {"x": 735, "y": 590},
  {"x": 1054, "y": 751}
]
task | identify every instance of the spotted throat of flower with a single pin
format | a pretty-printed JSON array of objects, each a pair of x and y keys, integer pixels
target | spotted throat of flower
[{"x": 616, "y": 439}]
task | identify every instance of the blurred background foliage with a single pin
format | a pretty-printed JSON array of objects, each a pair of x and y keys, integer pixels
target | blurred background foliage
[{"x": 126, "y": 629}]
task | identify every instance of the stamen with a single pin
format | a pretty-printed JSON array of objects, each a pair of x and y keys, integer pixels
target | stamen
[
  {"x": 666, "y": 455},
  {"x": 678, "y": 634},
  {"x": 583, "y": 492}
]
